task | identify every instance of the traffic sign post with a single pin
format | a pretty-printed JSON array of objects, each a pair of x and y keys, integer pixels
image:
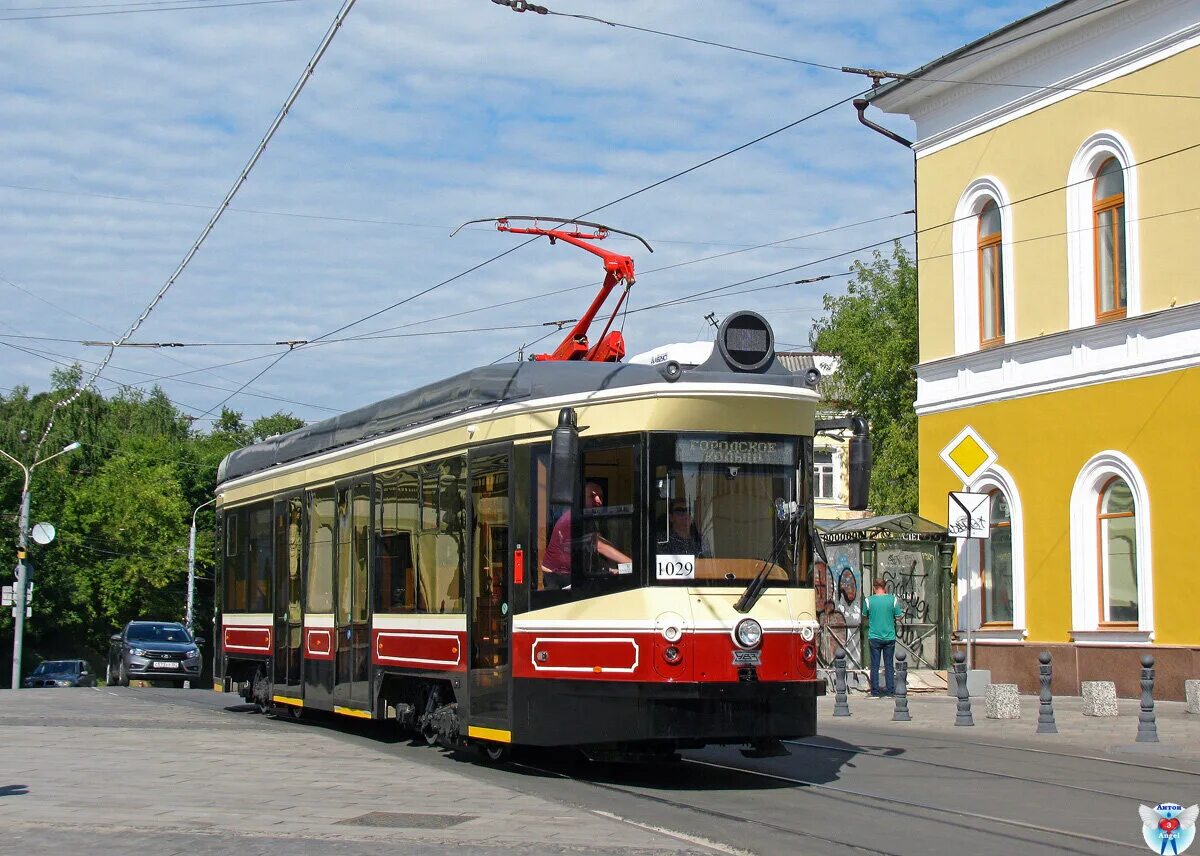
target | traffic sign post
[{"x": 969, "y": 516}]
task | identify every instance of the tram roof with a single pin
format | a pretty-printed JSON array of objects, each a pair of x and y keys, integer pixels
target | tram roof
[{"x": 488, "y": 386}]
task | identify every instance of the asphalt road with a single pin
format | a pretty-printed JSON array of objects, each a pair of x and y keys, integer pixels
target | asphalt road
[{"x": 865, "y": 785}]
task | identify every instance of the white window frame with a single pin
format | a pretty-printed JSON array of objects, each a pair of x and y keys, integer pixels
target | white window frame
[
  {"x": 966, "y": 263},
  {"x": 1081, "y": 251},
  {"x": 1085, "y": 576},
  {"x": 834, "y": 481},
  {"x": 994, "y": 477}
]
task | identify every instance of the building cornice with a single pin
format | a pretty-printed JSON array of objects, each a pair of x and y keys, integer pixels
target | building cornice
[
  {"x": 1083, "y": 54},
  {"x": 1145, "y": 345}
]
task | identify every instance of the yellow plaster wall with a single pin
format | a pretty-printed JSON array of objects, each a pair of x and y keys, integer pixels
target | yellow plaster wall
[
  {"x": 1032, "y": 154},
  {"x": 1043, "y": 441}
]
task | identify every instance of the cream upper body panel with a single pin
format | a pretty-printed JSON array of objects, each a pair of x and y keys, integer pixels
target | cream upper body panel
[{"x": 712, "y": 407}]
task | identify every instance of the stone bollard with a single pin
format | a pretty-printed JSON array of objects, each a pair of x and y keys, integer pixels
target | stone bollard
[
  {"x": 1045, "y": 697},
  {"x": 840, "y": 707},
  {"x": 900, "y": 714},
  {"x": 1191, "y": 692},
  {"x": 963, "y": 715},
  {"x": 1147, "y": 729},
  {"x": 1002, "y": 701}
]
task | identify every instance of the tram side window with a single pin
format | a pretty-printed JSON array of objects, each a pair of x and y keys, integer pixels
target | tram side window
[
  {"x": 258, "y": 559},
  {"x": 589, "y": 550},
  {"x": 441, "y": 552},
  {"x": 295, "y": 532},
  {"x": 397, "y": 520},
  {"x": 234, "y": 565},
  {"x": 322, "y": 510},
  {"x": 360, "y": 515},
  {"x": 345, "y": 542}
]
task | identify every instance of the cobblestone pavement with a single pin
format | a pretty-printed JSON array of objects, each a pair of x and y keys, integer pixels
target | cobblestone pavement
[
  {"x": 127, "y": 772},
  {"x": 161, "y": 771}
]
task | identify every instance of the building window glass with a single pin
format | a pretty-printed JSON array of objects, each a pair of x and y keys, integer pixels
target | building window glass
[
  {"x": 1117, "y": 543},
  {"x": 1108, "y": 220},
  {"x": 996, "y": 574},
  {"x": 991, "y": 277},
  {"x": 823, "y": 474}
]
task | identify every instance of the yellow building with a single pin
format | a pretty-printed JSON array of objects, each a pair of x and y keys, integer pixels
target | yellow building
[{"x": 1057, "y": 175}]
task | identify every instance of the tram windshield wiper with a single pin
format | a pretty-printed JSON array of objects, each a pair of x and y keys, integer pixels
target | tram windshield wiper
[{"x": 788, "y": 513}]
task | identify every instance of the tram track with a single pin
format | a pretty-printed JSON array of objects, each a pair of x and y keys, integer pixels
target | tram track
[
  {"x": 858, "y": 751},
  {"x": 1010, "y": 748},
  {"x": 870, "y": 800}
]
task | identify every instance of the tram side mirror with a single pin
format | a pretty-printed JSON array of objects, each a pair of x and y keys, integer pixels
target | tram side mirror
[
  {"x": 860, "y": 465},
  {"x": 564, "y": 459}
]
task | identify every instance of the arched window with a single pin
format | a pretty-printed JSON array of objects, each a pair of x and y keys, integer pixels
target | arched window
[
  {"x": 983, "y": 267},
  {"x": 1112, "y": 566},
  {"x": 991, "y": 277},
  {"x": 1103, "y": 281},
  {"x": 996, "y": 571},
  {"x": 1108, "y": 219},
  {"x": 1116, "y": 531}
]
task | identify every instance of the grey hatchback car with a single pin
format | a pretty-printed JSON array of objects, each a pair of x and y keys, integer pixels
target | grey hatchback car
[{"x": 153, "y": 651}]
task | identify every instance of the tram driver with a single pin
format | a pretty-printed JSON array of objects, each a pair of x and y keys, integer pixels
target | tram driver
[{"x": 556, "y": 562}]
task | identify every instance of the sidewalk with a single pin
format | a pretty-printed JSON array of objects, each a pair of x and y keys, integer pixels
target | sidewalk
[
  {"x": 127, "y": 772},
  {"x": 1113, "y": 737}
]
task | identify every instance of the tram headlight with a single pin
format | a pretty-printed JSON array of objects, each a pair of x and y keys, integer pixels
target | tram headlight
[
  {"x": 810, "y": 653},
  {"x": 748, "y": 633},
  {"x": 672, "y": 633},
  {"x": 671, "y": 655}
]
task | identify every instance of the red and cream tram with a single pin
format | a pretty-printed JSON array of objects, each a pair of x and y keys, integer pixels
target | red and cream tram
[{"x": 559, "y": 552}]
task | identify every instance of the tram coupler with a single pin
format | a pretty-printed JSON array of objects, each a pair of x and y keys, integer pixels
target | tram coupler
[{"x": 766, "y": 749}]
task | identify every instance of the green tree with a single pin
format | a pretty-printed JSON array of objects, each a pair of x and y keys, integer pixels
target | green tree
[
  {"x": 122, "y": 506},
  {"x": 872, "y": 329}
]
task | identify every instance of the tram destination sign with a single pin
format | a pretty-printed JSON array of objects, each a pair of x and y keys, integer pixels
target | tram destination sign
[{"x": 724, "y": 450}]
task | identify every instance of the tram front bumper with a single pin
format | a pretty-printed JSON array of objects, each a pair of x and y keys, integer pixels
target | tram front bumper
[{"x": 589, "y": 712}]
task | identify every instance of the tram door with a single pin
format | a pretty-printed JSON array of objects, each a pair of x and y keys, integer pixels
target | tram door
[
  {"x": 490, "y": 674},
  {"x": 289, "y": 619},
  {"x": 352, "y": 646}
]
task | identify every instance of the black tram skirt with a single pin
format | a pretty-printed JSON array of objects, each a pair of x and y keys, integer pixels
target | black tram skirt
[{"x": 550, "y": 712}]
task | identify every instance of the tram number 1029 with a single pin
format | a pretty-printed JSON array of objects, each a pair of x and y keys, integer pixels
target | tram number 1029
[{"x": 675, "y": 567}]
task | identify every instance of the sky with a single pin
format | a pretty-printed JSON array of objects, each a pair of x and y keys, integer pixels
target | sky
[{"x": 126, "y": 124}]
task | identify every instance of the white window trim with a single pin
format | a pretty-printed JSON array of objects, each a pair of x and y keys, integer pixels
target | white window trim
[
  {"x": 996, "y": 477},
  {"x": 1085, "y": 593},
  {"x": 966, "y": 262},
  {"x": 835, "y": 473},
  {"x": 1081, "y": 254}
]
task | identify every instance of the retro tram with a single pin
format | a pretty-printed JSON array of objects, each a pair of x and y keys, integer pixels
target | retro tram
[{"x": 566, "y": 551}]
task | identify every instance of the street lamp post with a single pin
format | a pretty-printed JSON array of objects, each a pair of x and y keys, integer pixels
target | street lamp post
[
  {"x": 22, "y": 571},
  {"x": 191, "y": 592}
]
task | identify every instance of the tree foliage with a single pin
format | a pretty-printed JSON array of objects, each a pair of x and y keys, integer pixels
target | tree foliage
[
  {"x": 122, "y": 506},
  {"x": 872, "y": 328}
]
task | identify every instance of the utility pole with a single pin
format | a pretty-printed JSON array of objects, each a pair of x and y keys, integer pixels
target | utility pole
[
  {"x": 19, "y": 595},
  {"x": 191, "y": 591}
]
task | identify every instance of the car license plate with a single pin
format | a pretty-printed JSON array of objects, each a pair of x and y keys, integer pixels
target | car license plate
[
  {"x": 747, "y": 658},
  {"x": 167, "y": 665}
]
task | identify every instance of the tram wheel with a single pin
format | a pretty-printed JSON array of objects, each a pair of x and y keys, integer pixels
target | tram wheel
[{"x": 495, "y": 753}]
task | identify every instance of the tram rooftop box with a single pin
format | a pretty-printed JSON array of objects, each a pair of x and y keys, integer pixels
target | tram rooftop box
[{"x": 744, "y": 355}]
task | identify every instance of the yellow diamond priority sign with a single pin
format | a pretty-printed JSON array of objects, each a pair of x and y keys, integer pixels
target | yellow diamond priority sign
[{"x": 967, "y": 455}]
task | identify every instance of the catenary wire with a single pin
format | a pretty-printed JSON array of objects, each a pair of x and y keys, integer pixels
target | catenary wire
[
  {"x": 138, "y": 11},
  {"x": 297, "y": 88},
  {"x": 620, "y": 199}
]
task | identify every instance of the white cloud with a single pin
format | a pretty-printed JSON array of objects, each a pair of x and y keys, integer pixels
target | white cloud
[{"x": 428, "y": 114}]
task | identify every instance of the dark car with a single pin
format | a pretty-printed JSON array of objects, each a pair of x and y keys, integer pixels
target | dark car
[
  {"x": 61, "y": 673},
  {"x": 153, "y": 651}
]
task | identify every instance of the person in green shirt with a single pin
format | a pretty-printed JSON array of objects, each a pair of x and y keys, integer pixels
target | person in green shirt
[{"x": 882, "y": 610}]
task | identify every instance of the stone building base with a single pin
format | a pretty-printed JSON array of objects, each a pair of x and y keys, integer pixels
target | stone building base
[{"x": 1073, "y": 664}]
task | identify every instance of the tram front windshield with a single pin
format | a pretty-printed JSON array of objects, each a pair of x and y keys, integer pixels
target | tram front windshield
[{"x": 714, "y": 498}]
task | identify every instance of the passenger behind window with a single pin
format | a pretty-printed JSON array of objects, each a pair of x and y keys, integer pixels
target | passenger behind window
[{"x": 605, "y": 558}]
